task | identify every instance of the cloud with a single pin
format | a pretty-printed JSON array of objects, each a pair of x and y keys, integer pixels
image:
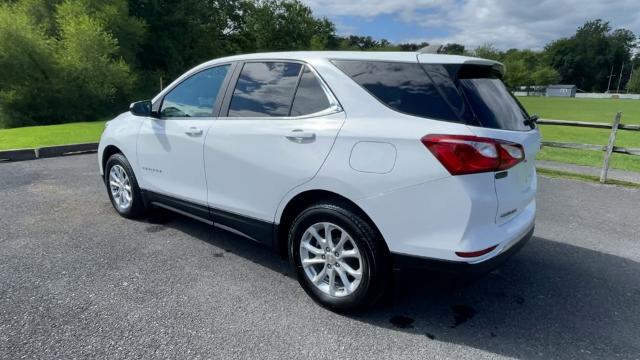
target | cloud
[
  {"x": 505, "y": 24},
  {"x": 344, "y": 29}
]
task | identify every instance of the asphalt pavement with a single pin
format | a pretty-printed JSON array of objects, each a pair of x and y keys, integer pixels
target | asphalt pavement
[{"x": 79, "y": 281}]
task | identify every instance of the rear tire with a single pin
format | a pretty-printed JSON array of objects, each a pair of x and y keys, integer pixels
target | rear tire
[
  {"x": 122, "y": 187},
  {"x": 338, "y": 257}
]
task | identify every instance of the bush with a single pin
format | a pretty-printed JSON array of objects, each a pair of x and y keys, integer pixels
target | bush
[{"x": 75, "y": 75}]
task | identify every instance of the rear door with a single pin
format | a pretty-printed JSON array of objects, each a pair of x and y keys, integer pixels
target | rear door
[{"x": 277, "y": 125}]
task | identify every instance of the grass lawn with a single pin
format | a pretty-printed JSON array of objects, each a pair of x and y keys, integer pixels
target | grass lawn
[
  {"x": 63, "y": 134},
  {"x": 593, "y": 110}
]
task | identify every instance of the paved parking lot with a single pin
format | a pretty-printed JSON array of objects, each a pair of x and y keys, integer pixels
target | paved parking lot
[{"x": 78, "y": 281}]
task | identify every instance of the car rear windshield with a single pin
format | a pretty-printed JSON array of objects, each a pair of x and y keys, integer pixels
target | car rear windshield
[{"x": 469, "y": 94}]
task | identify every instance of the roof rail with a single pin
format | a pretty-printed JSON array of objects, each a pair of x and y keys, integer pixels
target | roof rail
[{"x": 431, "y": 49}]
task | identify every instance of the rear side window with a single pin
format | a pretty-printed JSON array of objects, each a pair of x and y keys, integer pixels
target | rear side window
[
  {"x": 404, "y": 87},
  {"x": 195, "y": 96},
  {"x": 310, "y": 97},
  {"x": 470, "y": 94},
  {"x": 265, "y": 89}
]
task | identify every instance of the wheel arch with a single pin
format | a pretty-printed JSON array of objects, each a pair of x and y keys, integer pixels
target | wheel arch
[
  {"x": 108, "y": 151},
  {"x": 305, "y": 199}
]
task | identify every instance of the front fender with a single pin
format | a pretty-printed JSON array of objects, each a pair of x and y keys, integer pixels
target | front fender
[{"x": 122, "y": 133}]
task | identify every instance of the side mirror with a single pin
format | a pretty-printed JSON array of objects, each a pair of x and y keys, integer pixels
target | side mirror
[{"x": 141, "y": 108}]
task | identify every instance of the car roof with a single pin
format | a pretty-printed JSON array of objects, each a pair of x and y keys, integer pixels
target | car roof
[
  {"x": 313, "y": 56},
  {"x": 400, "y": 56}
]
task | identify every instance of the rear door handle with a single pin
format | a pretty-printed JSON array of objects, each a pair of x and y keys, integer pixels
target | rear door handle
[
  {"x": 194, "y": 131},
  {"x": 299, "y": 135}
]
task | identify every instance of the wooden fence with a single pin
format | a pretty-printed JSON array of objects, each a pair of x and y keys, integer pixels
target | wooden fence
[{"x": 609, "y": 149}]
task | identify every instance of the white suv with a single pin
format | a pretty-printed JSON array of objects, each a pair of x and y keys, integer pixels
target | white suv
[{"x": 352, "y": 163}]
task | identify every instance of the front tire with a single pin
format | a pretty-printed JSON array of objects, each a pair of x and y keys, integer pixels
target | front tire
[
  {"x": 338, "y": 257},
  {"x": 122, "y": 187}
]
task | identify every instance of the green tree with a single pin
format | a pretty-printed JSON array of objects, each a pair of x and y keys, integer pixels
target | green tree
[
  {"x": 184, "y": 33},
  {"x": 95, "y": 54},
  {"x": 587, "y": 58},
  {"x": 633, "y": 86},
  {"x": 517, "y": 73},
  {"x": 412, "y": 46},
  {"x": 273, "y": 25},
  {"x": 527, "y": 68},
  {"x": 89, "y": 62},
  {"x": 325, "y": 38},
  {"x": 362, "y": 43},
  {"x": 545, "y": 75},
  {"x": 27, "y": 68},
  {"x": 65, "y": 69},
  {"x": 488, "y": 51},
  {"x": 453, "y": 49},
  {"x": 113, "y": 16}
]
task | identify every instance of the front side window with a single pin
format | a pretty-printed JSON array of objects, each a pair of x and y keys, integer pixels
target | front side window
[
  {"x": 265, "y": 89},
  {"x": 196, "y": 96}
]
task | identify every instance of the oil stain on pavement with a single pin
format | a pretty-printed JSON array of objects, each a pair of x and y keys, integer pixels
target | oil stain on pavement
[
  {"x": 462, "y": 313},
  {"x": 402, "y": 322}
]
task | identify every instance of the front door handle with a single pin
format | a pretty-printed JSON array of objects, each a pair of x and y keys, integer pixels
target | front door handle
[
  {"x": 194, "y": 131},
  {"x": 299, "y": 135}
]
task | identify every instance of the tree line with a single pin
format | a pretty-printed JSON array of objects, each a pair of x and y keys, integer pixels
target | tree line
[{"x": 73, "y": 60}]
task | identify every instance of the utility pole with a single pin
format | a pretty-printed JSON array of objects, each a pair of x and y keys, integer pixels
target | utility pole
[
  {"x": 609, "y": 84},
  {"x": 620, "y": 78}
]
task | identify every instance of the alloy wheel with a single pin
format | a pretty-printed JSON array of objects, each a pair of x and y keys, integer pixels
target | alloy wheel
[
  {"x": 331, "y": 259},
  {"x": 120, "y": 187}
]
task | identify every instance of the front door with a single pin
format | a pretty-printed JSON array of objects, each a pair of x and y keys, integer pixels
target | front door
[{"x": 170, "y": 147}]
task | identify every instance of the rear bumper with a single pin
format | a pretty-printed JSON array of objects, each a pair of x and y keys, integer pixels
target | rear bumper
[{"x": 404, "y": 262}]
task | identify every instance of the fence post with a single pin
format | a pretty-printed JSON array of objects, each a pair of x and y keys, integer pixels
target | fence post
[{"x": 612, "y": 141}]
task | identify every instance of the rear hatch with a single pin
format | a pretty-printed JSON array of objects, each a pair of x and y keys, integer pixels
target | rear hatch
[
  {"x": 476, "y": 93},
  {"x": 464, "y": 91}
]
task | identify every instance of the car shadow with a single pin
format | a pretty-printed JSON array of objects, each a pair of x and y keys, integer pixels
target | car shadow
[{"x": 551, "y": 300}]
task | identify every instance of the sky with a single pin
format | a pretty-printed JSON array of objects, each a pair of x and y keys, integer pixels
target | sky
[{"x": 502, "y": 23}]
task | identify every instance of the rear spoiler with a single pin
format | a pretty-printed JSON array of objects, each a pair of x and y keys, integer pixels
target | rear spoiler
[
  {"x": 497, "y": 66},
  {"x": 431, "y": 49},
  {"x": 429, "y": 57}
]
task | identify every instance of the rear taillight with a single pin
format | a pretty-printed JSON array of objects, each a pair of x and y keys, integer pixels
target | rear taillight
[{"x": 463, "y": 154}]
